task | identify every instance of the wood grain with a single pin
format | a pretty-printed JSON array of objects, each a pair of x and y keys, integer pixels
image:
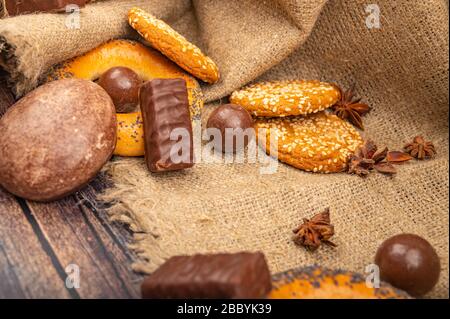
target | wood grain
[
  {"x": 27, "y": 269},
  {"x": 77, "y": 237},
  {"x": 119, "y": 232}
]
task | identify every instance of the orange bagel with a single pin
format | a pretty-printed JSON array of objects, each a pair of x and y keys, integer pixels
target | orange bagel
[
  {"x": 147, "y": 63},
  {"x": 319, "y": 283},
  {"x": 130, "y": 134}
]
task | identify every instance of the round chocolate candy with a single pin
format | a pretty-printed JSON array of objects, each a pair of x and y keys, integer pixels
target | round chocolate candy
[
  {"x": 233, "y": 122},
  {"x": 408, "y": 262},
  {"x": 122, "y": 85}
]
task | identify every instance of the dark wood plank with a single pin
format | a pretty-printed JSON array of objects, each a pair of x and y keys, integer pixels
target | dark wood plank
[
  {"x": 115, "y": 239},
  {"x": 78, "y": 237},
  {"x": 118, "y": 231},
  {"x": 10, "y": 286},
  {"x": 26, "y": 268},
  {"x": 114, "y": 235}
]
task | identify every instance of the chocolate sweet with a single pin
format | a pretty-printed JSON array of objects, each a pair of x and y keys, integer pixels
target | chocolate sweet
[
  {"x": 168, "y": 136},
  {"x": 239, "y": 275},
  {"x": 16, "y": 7},
  {"x": 232, "y": 121},
  {"x": 122, "y": 84},
  {"x": 408, "y": 262}
]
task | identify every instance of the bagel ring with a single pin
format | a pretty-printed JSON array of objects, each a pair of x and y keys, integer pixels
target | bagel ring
[
  {"x": 147, "y": 63},
  {"x": 315, "y": 282}
]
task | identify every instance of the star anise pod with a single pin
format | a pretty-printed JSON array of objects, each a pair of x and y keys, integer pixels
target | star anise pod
[
  {"x": 349, "y": 107},
  {"x": 366, "y": 158},
  {"x": 315, "y": 231},
  {"x": 420, "y": 149},
  {"x": 397, "y": 157}
]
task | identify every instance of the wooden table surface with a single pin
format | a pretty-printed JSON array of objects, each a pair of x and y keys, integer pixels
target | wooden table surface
[{"x": 38, "y": 241}]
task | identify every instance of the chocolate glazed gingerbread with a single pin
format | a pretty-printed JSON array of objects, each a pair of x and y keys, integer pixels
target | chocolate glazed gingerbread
[
  {"x": 167, "y": 125},
  {"x": 16, "y": 7}
]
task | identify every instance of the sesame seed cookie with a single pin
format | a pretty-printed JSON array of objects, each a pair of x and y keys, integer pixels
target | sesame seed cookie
[
  {"x": 320, "y": 142},
  {"x": 284, "y": 98},
  {"x": 173, "y": 45}
]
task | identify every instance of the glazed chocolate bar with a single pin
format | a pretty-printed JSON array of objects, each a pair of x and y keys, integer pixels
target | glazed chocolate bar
[
  {"x": 240, "y": 275},
  {"x": 167, "y": 125},
  {"x": 16, "y": 7}
]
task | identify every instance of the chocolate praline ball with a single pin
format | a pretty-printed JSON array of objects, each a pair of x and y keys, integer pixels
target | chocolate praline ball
[
  {"x": 230, "y": 116},
  {"x": 122, "y": 84},
  {"x": 408, "y": 262}
]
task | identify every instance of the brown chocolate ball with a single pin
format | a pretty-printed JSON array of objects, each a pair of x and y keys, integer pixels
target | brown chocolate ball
[
  {"x": 122, "y": 85},
  {"x": 232, "y": 121},
  {"x": 408, "y": 262}
]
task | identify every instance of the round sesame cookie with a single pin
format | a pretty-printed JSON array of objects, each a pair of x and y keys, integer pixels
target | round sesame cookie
[
  {"x": 317, "y": 143},
  {"x": 173, "y": 45},
  {"x": 284, "y": 98}
]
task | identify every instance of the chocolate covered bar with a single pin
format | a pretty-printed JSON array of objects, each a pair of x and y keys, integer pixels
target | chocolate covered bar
[
  {"x": 240, "y": 275},
  {"x": 167, "y": 125},
  {"x": 16, "y": 7}
]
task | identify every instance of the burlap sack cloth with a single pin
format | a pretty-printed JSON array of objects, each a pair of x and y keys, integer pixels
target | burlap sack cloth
[{"x": 401, "y": 69}]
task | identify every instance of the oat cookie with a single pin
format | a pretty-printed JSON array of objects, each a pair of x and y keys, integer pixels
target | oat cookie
[
  {"x": 173, "y": 45},
  {"x": 317, "y": 143},
  {"x": 289, "y": 97}
]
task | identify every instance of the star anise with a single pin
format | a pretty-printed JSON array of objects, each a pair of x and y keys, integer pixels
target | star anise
[
  {"x": 420, "y": 149},
  {"x": 315, "y": 231},
  {"x": 366, "y": 158},
  {"x": 349, "y": 107},
  {"x": 397, "y": 157}
]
